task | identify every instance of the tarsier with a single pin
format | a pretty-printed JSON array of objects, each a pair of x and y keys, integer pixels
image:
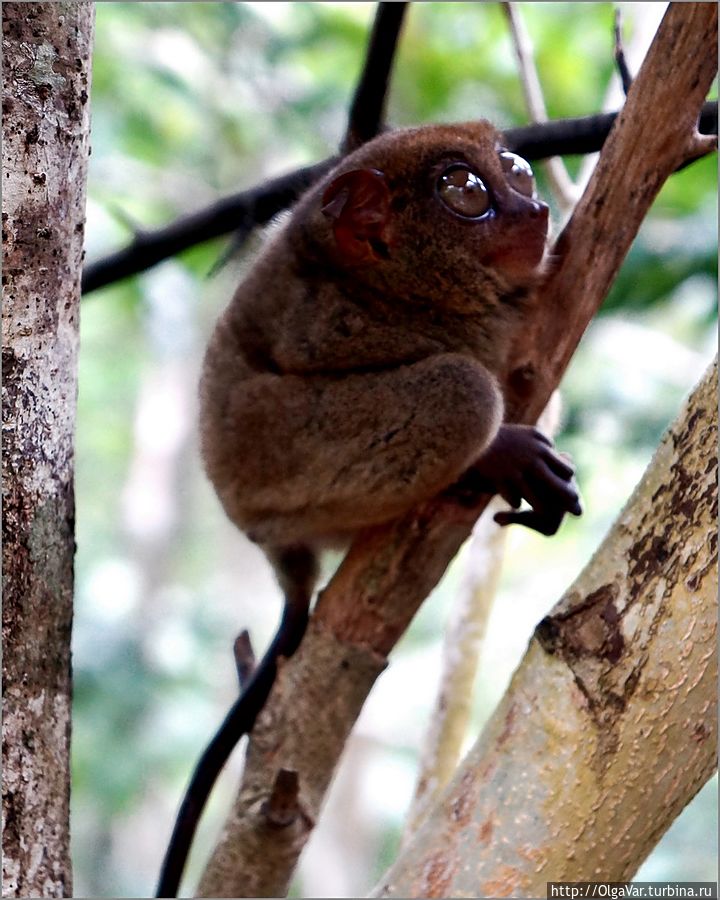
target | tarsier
[{"x": 354, "y": 374}]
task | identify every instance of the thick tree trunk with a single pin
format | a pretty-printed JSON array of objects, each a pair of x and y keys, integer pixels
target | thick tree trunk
[
  {"x": 609, "y": 726},
  {"x": 46, "y": 74}
]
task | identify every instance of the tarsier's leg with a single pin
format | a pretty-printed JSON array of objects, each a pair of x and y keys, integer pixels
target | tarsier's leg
[{"x": 321, "y": 455}]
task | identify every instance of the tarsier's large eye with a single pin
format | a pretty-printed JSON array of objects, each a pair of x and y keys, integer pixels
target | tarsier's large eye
[
  {"x": 463, "y": 191},
  {"x": 518, "y": 173}
]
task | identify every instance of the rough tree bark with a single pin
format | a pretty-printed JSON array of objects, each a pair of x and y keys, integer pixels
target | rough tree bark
[
  {"x": 388, "y": 571},
  {"x": 609, "y": 726},
  {"x": 46, "y": 74}
]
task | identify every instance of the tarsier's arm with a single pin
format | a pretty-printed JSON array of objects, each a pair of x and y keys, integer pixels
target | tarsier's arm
[{"x": 331, "y": 405}]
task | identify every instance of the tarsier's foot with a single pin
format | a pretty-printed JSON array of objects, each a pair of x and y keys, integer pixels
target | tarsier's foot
[{"x": 522, "y": 464}]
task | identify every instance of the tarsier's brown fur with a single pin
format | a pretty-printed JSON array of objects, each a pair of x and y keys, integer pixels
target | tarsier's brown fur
[
  {"x": 338, "y": 397},
  {"x": 354, "y": 374}
]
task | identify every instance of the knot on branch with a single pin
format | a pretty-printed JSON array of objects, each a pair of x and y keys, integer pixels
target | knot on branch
[
  {"x": 521, "y": 380},
  {"x": 283, "y": 808},
  {"x": 588, "y": 629}
]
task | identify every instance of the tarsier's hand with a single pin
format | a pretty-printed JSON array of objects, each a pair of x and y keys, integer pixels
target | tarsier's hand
[{"x": 522, "y": 464}]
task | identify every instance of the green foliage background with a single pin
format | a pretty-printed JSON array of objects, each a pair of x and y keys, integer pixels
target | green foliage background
[{"x": 194, "y": 100}]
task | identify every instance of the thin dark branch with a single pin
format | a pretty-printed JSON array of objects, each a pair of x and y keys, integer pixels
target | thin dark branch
[
  {"x": 256, "y": 206},
  {"x": 586, "y": 134},
  {"x": 561, "y": 137},
  {"x": 367, "y": 110},
  {"x": 238, "y": 212},
  {"x": 243, "y": 211},
  {"x": 620, "y": 60}
]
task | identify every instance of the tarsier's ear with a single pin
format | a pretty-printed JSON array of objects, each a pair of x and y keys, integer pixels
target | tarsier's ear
[{"x": 358, "y": 203}]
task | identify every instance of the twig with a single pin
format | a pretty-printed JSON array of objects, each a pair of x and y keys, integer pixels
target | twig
[
  {"x": 125, "y": 219},
  {"x": 368, "y": 105},
  {"x": 645, "y": 25},
  {"x": 622, "y": 65},
  {"x": 565, "y": 192},
  {"x": 244, "y": 657},
  {"x": 259, "y": 204}
]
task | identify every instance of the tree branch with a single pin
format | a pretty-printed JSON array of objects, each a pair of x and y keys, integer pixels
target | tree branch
[
  {"x": 390, "y": 570},
  {"x": 449, "y": 716},
  {"x": 585, "y": 134},
  {"x": 367, "y": 110},
  {"x": 241, "y": 212},
  {"x": 441, "y": 748},
  {"x": 609, "y": 725},
  {"x": 561, "y": 185}
]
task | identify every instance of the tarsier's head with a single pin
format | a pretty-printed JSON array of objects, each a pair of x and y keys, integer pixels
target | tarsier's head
[{"x": 436, "y": 212}]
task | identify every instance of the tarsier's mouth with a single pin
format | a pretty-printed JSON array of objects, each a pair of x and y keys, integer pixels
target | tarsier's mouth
[{"x": 522, "y": 257}]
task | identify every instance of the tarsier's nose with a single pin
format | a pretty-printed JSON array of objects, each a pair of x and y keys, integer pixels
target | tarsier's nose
[
  {"x": 527, "y": 211},
  {"x": 538, "y": 210},
  {"x": 518, "y": 206}
]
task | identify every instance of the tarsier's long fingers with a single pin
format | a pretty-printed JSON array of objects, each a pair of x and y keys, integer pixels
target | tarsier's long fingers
[
  {"x": 546, "y": 522},
  {"x": 511, "y": 494},
  {"x": 523, "y": 464},
  {"x": 553, "y": 490},
  {"x": 550, "y": 497},
  {"x": 560, "y": 463}
]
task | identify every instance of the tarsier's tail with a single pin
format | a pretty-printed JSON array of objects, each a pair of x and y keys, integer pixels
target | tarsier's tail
[{"x": 239, "y": 721}]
